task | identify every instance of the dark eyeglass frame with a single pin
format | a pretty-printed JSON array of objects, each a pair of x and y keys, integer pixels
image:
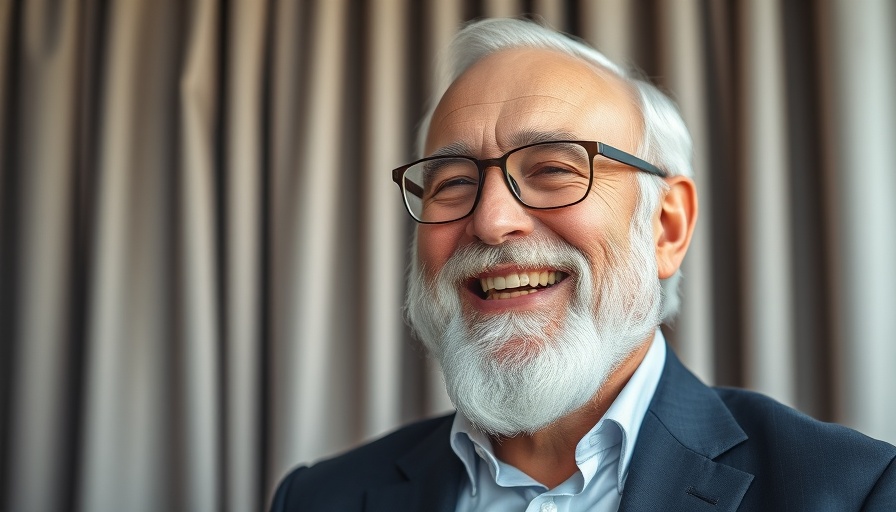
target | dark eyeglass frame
[{"x": 593, "y": 148}]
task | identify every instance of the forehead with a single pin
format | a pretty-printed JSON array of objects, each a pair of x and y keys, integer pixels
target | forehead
[{"x": 511, "y": 96}]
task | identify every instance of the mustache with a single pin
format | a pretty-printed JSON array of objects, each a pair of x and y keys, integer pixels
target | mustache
[{"x": 478, "y": 257}]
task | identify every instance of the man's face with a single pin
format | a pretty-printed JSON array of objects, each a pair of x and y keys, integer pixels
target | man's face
[
  {"x": 516, "y": 362},
  {"x": 494, "y": 107}
]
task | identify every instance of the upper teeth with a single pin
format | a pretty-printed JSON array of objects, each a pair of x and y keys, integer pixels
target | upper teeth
[{"x": 516, "y": 280}]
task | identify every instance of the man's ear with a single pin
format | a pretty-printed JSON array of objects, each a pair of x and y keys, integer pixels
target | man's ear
[{"x": 674, "y": 224}]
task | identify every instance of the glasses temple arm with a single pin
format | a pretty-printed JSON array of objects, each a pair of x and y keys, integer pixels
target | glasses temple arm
[{"x": 631, "y": 160}]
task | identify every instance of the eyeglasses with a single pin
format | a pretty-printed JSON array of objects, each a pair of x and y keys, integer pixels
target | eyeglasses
[{"x": 543, "y": 176}]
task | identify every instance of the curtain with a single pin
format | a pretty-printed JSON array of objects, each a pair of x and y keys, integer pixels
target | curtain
[{"x": 202, "y": 254}]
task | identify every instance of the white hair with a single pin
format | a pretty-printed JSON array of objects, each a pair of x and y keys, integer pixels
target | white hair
[{"x": 665, "y": 141}]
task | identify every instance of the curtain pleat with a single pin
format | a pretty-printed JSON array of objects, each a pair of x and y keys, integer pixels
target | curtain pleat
[
  {"x": 864, "y": 184},
  {"x": 197, "y": 269},
  {"x": 383, "y": 219},
  {"x": 8, "y": 259},
  {"x": 47, "y": 84},
  {"x": 202, "y": 254},
  {"x": 769, "y": 360},
  {"x": 321, "y": 287},
  {"x": 500, "y": 8},
  {"x": 724, "y": 164},
  {"x": 289, "y": 104},
  {"x": 131, "y": 354},
  {"x": 553, "y": 12},
  {"x": 242, "y": 174},
  {"x": 605, "y": 25}
]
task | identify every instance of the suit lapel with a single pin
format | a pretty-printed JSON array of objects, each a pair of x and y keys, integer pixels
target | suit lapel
[
  {"x": 666, "y": 475},
  {"x": 686, "y": 427},
  {"x": 432, "y": 478}
]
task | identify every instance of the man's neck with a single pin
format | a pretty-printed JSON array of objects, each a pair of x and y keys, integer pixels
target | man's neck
[{"x": 549, "y": 455}]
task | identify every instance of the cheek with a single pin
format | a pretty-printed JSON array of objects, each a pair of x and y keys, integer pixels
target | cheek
[
  {"x": 606, "y": 215},
  {"x": 435, "y": 244},
  {"x": 595, "y": 228}
]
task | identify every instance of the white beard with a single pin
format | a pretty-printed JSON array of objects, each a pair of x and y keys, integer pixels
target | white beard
[{"x": 516, "y": 373}]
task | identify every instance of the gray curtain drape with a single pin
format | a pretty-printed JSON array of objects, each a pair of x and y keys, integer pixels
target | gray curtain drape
[{"x": 202, "y": 253}]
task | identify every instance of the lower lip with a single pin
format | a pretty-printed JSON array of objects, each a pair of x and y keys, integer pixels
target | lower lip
[{"x": 529, "y": 301}]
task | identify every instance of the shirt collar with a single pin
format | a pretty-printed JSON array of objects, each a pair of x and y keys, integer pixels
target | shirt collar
[
  {"x": 617, "y": 429},
  {"x": 629, "y": 408}
]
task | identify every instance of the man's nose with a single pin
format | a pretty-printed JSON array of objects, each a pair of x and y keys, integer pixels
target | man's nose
[{"x": 499, "y": 216}]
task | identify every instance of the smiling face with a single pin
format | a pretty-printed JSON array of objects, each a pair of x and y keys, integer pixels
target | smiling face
[
  {"x": 529, "y": 312},
  {"x": 509, "y": 99}
]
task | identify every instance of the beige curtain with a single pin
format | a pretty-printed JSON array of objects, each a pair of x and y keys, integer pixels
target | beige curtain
[{"x": 202, "y": 253}]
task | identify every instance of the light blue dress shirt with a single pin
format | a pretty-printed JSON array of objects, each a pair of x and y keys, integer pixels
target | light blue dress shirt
[{"x": 602, "y": 455}]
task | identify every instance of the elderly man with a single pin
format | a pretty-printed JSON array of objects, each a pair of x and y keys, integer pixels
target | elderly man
[{"x": 554, "y": 207}]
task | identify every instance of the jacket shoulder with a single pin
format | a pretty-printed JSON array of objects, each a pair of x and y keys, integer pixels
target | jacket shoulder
[
  {"x": 774, "y": 424},
  {"x": 788, "y": 451},
  {"x": 339, "y": 483}
]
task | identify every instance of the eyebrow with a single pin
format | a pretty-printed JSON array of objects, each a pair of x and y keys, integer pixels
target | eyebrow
[
  {"x": 525, "y": 137},
  {"x": 454, "y": 149},
  {"x": 518, "y": 139}
]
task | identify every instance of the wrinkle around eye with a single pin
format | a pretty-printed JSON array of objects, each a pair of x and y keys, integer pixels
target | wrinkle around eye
[
  {"x": 609, "y": 196},
  {"x": 601, "y": 181}
]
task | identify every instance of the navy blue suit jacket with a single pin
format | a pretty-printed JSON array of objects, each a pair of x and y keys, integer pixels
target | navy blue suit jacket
[{"x": 699, "y": 449}]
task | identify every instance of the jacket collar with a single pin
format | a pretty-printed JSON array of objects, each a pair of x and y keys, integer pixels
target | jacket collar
[
  {"x": 687, "y": 426},
  {"x": 432, "y": 475}
]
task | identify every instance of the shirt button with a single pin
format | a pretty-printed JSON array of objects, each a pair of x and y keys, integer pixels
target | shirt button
[{"x": 548, "y": 506}]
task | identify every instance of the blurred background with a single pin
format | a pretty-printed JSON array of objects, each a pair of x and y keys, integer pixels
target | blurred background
[{"x": 202, "y": 253}]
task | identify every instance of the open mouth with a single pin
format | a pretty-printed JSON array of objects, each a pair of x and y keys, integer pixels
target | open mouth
[{"x": 517, "y": 284}]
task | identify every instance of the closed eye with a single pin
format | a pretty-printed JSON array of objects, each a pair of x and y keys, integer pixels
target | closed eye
[
  {"x": 452, "y": 184},
  {"x": 550, "y": 169},
  {"x": 553, "y": 170}
]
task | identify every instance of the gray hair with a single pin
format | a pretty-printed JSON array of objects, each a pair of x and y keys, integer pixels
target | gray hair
[{"x": 665, "y": 142}]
